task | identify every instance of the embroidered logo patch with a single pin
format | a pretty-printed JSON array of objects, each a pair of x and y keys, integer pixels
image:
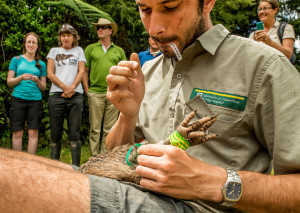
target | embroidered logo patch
[{"x": 226, "y": 100}]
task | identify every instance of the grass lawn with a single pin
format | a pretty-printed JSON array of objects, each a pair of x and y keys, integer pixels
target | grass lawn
[{"x": 65, "y": 155}]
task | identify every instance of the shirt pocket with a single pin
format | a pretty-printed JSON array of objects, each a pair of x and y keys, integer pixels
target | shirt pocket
[
  {"x": 228, "y": 121},
  {"x": 229, "y": 127}
]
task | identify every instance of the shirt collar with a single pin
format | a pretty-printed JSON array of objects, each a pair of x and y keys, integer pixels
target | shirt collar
[
  {"x": 148, "y": 51},
  {"x": 111, "y": 45},
  {"x": 213, "y": 38},
  {"x": 276, "y": 24}
]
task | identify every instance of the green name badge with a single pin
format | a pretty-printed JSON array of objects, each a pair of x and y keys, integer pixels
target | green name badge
[{"x": 231, "y": 101}]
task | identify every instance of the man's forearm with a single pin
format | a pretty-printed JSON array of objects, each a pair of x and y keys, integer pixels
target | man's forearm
[
  {"x": 32, "y": 186},
  {"x": 85, "y": 80},
  {"x": 266, "y": 193},
  {"x": 29, "y": 157},
  {"x": 122, "y": 133}
]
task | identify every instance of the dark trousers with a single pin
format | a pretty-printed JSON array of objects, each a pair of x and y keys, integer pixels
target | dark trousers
[
  {"x": 71, "y": 108},
  {"x": 59, "y": 108}
]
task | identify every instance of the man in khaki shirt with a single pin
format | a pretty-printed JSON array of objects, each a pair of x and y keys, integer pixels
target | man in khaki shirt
[{"x": 254, "y": 90}]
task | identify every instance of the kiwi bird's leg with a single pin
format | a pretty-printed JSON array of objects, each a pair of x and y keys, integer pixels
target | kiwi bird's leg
[
  {"x": 200, "y": 133},
  {"x": 184, "y": 128},
  {"x": 195, "y": 133}
]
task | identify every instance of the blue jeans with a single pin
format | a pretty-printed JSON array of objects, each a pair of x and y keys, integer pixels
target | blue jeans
[{"x": 59, "y": 108}]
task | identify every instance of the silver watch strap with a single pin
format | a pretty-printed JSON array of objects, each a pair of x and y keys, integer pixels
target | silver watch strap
[{"x": 233, "y": 175}]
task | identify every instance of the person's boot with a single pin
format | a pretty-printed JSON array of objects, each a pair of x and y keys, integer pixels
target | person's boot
[
  {"x": 76, "y": 152},
  {"x": 55, "y": 150}
]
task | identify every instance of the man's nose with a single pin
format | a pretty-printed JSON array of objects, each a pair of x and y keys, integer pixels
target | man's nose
[{"x": 158, "y": 24}]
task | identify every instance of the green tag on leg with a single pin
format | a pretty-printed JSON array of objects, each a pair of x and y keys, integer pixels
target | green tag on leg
[{"x": 178, "y": 140}]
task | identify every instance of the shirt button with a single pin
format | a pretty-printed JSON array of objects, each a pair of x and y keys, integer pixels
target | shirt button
[
  {"x": 172, "y": 114},
  {"x": 178, "y": 76}
]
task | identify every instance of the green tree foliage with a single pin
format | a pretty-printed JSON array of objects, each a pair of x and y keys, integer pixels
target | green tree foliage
[
  {"x": 85, "y": 12},
  {"x": 236, "y": 15}
]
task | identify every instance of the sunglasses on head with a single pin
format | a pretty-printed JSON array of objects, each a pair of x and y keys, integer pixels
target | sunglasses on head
[
  {"x": 67, "y": 26},
  {"x": 103, "y": 27}
]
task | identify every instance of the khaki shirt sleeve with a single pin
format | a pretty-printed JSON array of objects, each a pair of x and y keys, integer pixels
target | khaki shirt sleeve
[
  {"x": 289, "y": 32},
  {"x": 276, "y": 116},
  {"x": 252, "y": 36}
]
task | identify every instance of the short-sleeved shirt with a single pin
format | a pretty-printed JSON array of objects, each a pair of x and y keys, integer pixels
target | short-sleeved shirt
[
  {"x": 288, "y": 33},
  {"x": 147, "y": 56},
  {"x": 66, "y": 66},
  {"x": 100, "y": 62},
  {"x": 27, "y": 89},
  {"x": 256, "y": 95}
]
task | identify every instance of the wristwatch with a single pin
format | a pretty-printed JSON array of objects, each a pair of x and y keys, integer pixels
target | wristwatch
[{"x": 232, "y": 189}]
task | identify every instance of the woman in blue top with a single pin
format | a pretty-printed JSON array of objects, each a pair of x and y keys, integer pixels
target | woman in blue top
[{"x": 27, "y": 75}]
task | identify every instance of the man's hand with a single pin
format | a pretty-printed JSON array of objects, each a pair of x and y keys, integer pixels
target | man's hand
[
  {"x": 171, "y": 171},
  {"x": 126, "y": 87}
]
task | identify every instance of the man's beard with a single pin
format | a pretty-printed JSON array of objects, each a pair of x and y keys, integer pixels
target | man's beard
[{"x": 192, "y": 33}]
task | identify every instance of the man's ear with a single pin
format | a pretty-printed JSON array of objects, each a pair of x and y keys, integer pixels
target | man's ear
[{"x": 208, "y": 6}]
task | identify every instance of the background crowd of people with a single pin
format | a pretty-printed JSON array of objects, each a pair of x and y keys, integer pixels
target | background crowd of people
[{"x": 73, "y": 72}]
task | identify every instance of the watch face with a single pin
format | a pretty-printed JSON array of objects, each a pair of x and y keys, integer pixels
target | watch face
[{"x": 233, "y": 191}]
